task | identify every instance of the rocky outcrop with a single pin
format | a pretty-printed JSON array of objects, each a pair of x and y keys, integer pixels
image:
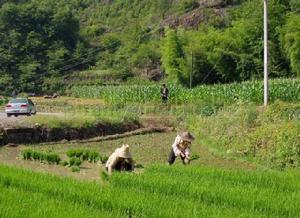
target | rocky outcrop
[{"x": 205, "y": 10}]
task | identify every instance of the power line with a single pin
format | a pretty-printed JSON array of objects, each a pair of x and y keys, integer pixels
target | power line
[
  {"x": 70, "y": 66},
  {"x": 86, "y": 54}
]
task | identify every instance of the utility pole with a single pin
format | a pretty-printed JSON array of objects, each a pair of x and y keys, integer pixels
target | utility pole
[
  {"x": 192, "y": 69},
  {"x": 266, "y": 53}
]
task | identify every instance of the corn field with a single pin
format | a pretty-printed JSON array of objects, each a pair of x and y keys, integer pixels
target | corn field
[
  {"x": 159, "y": 192},
  {"x": 281, "y": 89}
]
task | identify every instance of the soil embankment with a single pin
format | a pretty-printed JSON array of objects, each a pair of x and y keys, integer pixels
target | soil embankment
[{"x": 39, "y": 134}]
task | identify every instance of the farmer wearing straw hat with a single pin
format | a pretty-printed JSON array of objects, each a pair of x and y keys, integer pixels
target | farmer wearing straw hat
[
  {"x": 120, "y": 160},
  {"x": 181, "y": 148}
]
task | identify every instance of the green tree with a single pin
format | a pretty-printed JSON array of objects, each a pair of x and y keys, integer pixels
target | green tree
[
  {"x": 290, "y": 40},
  {"x": 37, "y": 38},
  {"x": 172, "y": 54}
]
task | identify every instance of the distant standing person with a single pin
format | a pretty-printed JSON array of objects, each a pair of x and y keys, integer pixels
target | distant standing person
[
  {"x": 120, "y": 160},
  {"x": 181, "y": 148},
  {"x": 164, "y": 92},
  {"x": 14, "y": 94}
]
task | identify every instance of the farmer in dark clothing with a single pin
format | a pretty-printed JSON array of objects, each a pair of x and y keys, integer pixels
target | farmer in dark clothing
[
  {"x": 164, "y": 92},
  {"x": 181, "y": 148}
]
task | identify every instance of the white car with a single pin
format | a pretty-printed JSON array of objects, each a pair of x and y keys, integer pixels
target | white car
[{"x": 20, "y": 106}]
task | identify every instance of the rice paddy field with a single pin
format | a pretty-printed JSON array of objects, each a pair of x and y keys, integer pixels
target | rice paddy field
[
  {"x": 247, "y": 161},
  {"x": 160, "y": 191}
]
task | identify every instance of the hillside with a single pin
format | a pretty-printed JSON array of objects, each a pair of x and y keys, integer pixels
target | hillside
[{"x": 44, "y": 44}]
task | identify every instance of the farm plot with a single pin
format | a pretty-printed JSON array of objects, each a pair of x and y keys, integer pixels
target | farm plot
[
  {"x": 146, "y": 150},
  {"x": 162, "y": 191},
  {"x": 280, "y": 89}
]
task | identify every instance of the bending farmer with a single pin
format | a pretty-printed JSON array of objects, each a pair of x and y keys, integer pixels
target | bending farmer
[
  {"x": 120, "y": 160},
  {"x": 181, "y": 148}
]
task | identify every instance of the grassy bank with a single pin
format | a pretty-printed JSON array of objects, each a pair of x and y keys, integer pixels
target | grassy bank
[
  {"x": 81, "y": 120},
  {"x": 3, "y": 101},
  {"x": 67, "y": 104},
  {"x": 160, "y": 192},
  {"x": 267, "y": 135}
]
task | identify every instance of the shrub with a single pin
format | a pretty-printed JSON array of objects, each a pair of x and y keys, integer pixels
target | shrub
[{"x": 3, "y": 101}]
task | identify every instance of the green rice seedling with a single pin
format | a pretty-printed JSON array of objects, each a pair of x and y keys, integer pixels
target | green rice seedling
[
  {"x": 79, "y": 153},
  {"x": 75, "y": 169},
  {"x": 49, "y": 157},
  {"x": 71, "y": 153},
  {"x": 27, "y": 154},
  {"x": 93, "y": 156},
  {"x": 103, "y": 159},
  {"x": 104, "y": 176},
  {"x": 42, "y": 157},
  {"x": 64, "y": 163},
  {"x": 74, "y": 161},
  {"x": 139, "y": 166},
  {"x": 53, "y": 158},
  {"x": 85, "y": 155},
  {"x": 160, "y": 191},
  {"x": 194, "y": 157},
  {"x": 36, "y": 155},
  {"x": 78, "y": 162}
]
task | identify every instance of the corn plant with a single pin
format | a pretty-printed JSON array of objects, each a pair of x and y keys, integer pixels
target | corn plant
[{"x": 252, "y": 91}]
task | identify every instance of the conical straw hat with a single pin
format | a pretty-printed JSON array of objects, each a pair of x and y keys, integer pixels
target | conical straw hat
[
  {"x": 186, "y": 136},
  {"x": 124, "y": 152}
]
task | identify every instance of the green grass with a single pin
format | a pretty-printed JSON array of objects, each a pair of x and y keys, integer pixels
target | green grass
[
  {"x": 67, "y": 104},
  {"x": 80, "y": 119},
  {"x": 162, "y": 191},
  {"x": 3, "y": 101},
  {"x": 269, "y": 135}
]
